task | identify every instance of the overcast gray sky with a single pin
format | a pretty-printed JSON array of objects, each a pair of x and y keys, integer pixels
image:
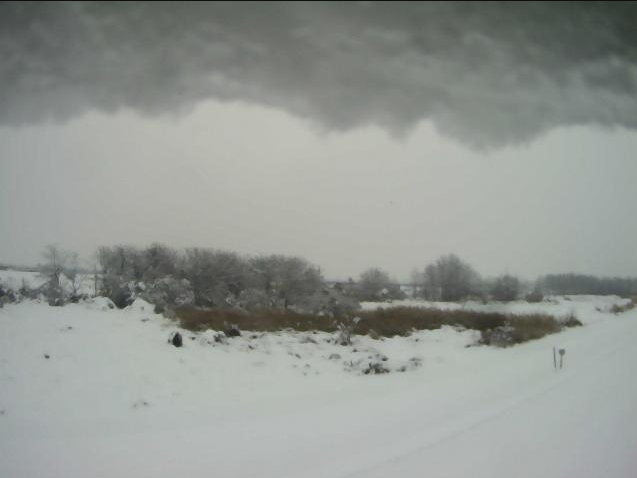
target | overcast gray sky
[{"x": 355, "y": 135}]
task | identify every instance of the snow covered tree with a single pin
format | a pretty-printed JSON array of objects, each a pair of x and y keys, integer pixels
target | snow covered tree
[
  {"x": 217, "y": 277},
  {"x": 375, "y": 284},
  {"x": 505, "y": 288},
  {"x": 450, "y": 279},
  {"x": 286, "y": 280},
  {"x": 58, "y": 263}
]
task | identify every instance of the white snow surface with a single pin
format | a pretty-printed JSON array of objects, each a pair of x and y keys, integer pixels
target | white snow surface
[{"x": 114, "y": 399}]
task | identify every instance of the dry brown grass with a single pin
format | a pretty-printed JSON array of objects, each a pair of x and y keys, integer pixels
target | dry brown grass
[
  {"x": 263, "y": 320},
  {"x": 389, "y": 322}
]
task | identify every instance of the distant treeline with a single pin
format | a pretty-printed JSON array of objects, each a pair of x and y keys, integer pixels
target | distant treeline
[
  {"x": 215, "y": 279},
  {"x": 588, "y": 284}
]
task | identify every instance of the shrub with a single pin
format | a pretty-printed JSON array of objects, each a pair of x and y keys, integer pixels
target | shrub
[
  {"x": 375, "y": 285},
  {"x": 505, "y": 288},
  {"x": 571, "y": 321},
  {"x": 168, "y": 292},
  {"x": 331, "y": 302},
  {"x": 534, "y": 297}
]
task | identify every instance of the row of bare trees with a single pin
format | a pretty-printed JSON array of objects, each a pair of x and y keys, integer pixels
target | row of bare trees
[
  {"x": 208, "y": 277},
  {"x": 213, "y": 278}
]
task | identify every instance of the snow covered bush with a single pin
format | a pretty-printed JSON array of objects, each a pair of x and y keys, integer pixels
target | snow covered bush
[
  {"x": 570, "y": 320},
  {"x": 375, "y": 368},
  {"x": 502, "y": 336},
  {"x": 505, "y": 288},
  {"x": 168, "y": 293},
  {"x": 345, "y": 330},
  {"x": 521, "y": 328},
  {"x": 375, "y": 285},
  {"x": 534, "y": 297},
  {"x": 331, "y": 302},
  {"x": 121, "y": 293},
  {"x": 5, "y": 296},
  {"x": 251, "y": 299}
]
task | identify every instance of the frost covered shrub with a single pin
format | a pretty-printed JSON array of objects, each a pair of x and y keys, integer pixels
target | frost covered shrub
[
  {"x": 169, "y": 293},
  {"x": 344, "y": 334},
  {"x": 27, "y": 292},
  {"x": 231, "y": 330},
  {"x": 251, "y": 299},
  {"x": 375, "y": 368},
  {"x": 375, "y": 285},
  {"x": 618, "y": 309},
  {"x": 505, "y": 288},
  {"x": 502, "y": 336},
  {"x": 571, "y": 321},
  {"x": 6, "y": 296},
  {"x": 122, "y": 294},
  {"x": 331, "y": 302},
  {"x": 521, "y": 328},
  {"x": 534, "y": 297}
]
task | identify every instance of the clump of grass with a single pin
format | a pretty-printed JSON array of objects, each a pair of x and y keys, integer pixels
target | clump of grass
[
  {"x": 533, "y": 327},
  {"x": 403, "y": 320},
  {"x": 521, "y": 328}
]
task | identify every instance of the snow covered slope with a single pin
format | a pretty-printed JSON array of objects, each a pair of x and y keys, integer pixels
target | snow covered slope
[{"x": 113, "y": 399}]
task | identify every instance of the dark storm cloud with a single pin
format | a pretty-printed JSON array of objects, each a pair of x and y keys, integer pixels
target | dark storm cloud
[{"x": 486, "y": 73}]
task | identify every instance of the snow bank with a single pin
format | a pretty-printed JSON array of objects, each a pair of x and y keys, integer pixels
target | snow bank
[{"x": 13, "y": 280}]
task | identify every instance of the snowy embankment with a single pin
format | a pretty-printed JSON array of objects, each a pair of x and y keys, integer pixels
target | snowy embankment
[
  {"x": 113, "y": 399},
  {"x": 14, "y": 280},
  {"x": 587, "y": 308}
]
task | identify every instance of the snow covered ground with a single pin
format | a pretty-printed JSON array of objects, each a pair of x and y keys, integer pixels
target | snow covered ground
[{"x": 113, "y": 399}]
